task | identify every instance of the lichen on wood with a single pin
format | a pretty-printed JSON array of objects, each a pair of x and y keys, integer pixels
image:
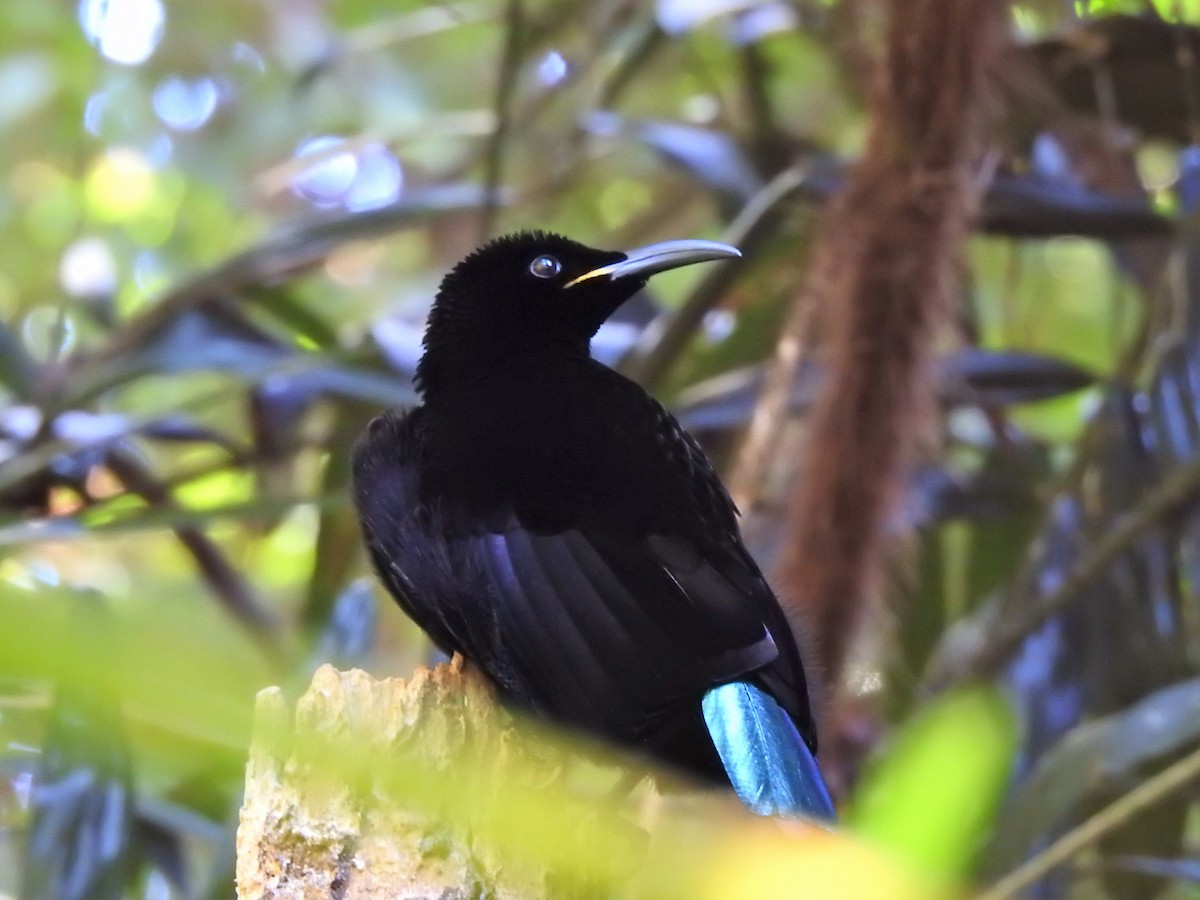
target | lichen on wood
[{"x": 325, "y": 813}]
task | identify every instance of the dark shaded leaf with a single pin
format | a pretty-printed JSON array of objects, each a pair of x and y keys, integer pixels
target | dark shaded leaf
[
  {"x": 1172, "y": 428},
  {"x": 301, "y": 321},
  {"x": 180, "y": 428},
  {"x": 1037, "y": 206},
  {"x": 937, "y": 495},
  {"x": 80, "y": 844},
  {"x": 18, "y": 370},
  {"x": 1032, "y": 206},
  {"x": 215, "y": 338},
  {"x": 348, "y": 636},
  {"x": 1142, "y": 81},
  {"x": 970, "y": 376},
  {"x": 1096, "y": 760},
  {"x": 164, "y": 850},
  {"x": 339, "y": 541},
  {"x": 1004, "y": 378},
  {"x": 1187, "y": 870}
]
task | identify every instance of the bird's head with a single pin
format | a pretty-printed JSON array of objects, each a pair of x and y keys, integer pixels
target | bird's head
[{"x": 535, "y": 290}]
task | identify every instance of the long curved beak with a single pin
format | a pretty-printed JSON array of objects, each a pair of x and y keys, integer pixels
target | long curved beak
[{"x": 646, "y": 261}]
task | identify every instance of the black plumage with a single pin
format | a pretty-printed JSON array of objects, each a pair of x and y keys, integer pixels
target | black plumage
[{"x": 547, "y": 518}]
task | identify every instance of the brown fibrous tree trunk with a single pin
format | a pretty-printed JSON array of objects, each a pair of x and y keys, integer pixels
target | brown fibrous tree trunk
[{"x": 886, "y": 273}]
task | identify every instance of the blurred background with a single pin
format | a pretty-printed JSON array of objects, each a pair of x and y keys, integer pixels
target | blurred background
[{"x": 222, "y": 223}]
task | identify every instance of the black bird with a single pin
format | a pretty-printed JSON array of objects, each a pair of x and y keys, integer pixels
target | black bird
[{"x": 547, "y": 518}]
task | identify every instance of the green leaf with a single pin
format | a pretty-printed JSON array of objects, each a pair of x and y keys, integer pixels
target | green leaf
[{"x": 930, "y": 799}]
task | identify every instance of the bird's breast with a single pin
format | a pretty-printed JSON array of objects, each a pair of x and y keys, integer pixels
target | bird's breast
[{"x": 551, "y": 446}]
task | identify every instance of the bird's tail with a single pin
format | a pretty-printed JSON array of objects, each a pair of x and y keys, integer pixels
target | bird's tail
[{"x": 769, "y": 765}]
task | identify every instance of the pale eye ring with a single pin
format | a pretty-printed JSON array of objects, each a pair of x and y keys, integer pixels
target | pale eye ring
[{"x": 544, "y": 266}]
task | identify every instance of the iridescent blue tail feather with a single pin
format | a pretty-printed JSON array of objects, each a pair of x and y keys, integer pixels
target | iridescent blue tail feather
[{"x": 769, "y": 765}]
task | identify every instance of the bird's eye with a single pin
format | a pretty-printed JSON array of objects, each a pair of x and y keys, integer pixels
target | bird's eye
[{"x": 545, "y": 266}]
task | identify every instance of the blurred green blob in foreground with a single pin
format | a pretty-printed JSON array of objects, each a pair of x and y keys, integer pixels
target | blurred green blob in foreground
[{"x": 931, "y": 797}]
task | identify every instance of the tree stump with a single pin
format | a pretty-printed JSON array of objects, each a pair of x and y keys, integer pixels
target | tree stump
[{"x": 347, "y": 836}]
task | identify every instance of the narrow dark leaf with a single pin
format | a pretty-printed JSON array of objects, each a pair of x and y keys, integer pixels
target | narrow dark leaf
[
  {"x": 1187, "y": 870},
  {"x": 348, "y": 636},
  {"x": 1032, "y": 206},
  {"x": 1095, "y": 760},
  {"x": 970, "y": 376},
  {"x": 1005, "y": 377},
  {"x": 99, "y": 521},
  {"x": 80, "y": 844},
  {"x": 180, "y": 428},
  {"x": 288, "y": 309},
  {"x": 164, "y": 850},
  {"x": 937, "y": 495},
  {"x": 711, "y": 157},
  {"x": 339, "y": 541},
  {"x": 1172, "y": 411},
  {"x": 18, "y": 370}
]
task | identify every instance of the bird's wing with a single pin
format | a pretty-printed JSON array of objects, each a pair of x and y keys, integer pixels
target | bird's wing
[
  {"x": 395, "y": 524},
  {"x": 606, "y": 633}
]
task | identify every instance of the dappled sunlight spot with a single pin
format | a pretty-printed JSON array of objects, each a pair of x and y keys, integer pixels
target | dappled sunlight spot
[
  {"x": 342, "y": 174},
  {"x": 82, "y": 428},
  {"x": 125, "y": 31},
  {"x": 329, "y": 178},
  {"x": 760, "y": 22},
  {"x": 95, "y": 112},
  {"x": 185, "y": 105},
  {"x": 159, "y": 150},
  {"x": 285, "y": 558},
  {"x": 48, "y": 331},
  {"x": 356, "y": 263},
  {"x": 27, "y": 82},
  {"x": 678, "y": 16},
  {"x": 1157, "y": 167},
  {"x": 16, "y": 572},
  {"x": 294, "y": 536},
  {"x": 700, "y": 109},
  {"x": 719, "y": 325},
  {"x": 101, "y": 483},
  {"x": 245, "y": 54},
  {"x": 119, "y": 186},
  {"x": 378, "y": 180},
  {"x": 217, "y": 489},
  {"x": 63, "y": 501},
  {"x": 87, "y": 268},
  {"x": 552, "y": 69}
]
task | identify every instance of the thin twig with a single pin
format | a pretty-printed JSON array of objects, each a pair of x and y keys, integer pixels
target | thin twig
[
  {"x": 223, "y": 579},
  {"x": 658, "y": 349},
  {"x": 990, "y": 647},
  {"x": 506, "y": 82},
  {"x": 771, "y": 409},
  {"x": 1093, "y": 829}
]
